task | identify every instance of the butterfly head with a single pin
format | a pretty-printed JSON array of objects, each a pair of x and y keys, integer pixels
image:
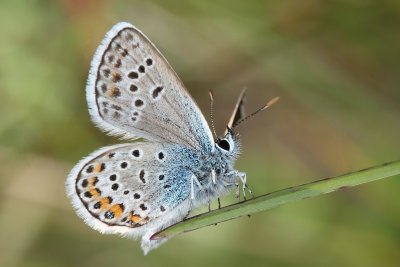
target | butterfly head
[{"x": 229, "y": 143}]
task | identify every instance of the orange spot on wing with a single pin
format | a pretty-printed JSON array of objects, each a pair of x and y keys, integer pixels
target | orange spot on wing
[
  {"x": 97, "y": 167},
  {"x": 116, "y": 77},
  {"x": 114, "y": 91},
  {"x": 92, "y": 181},
  {"x": 95, "y": 192},
  {"x": 136, "y": 218},
  {"x": 104, "y": 203},
  {"x": 117, "y": 209}
]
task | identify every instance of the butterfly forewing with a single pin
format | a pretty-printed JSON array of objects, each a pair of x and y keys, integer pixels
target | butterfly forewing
[
  {"x": 134, "y": 92},
  {"x": 129, "y": 185},
  {"x": 239, "y": 112}
]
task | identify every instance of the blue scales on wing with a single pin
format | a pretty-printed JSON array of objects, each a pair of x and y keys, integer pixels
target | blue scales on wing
[{"x": 132, "y": 185}]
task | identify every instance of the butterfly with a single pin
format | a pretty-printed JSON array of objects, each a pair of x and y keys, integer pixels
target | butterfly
[{"x": 138, "y": 188}]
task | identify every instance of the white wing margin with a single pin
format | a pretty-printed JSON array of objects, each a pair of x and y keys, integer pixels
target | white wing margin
[
  {"x": 133, "y": 92},
  {"x": 128, "y": 189}
]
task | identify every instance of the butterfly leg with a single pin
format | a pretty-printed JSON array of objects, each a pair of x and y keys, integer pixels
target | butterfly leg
[
  {"x": 213, "y": 177},
  {"x": 237, "y": 192},
  {"x": 243, "y": 179},
  {"x": 214, "y": 182},
  {"x": 233, "y": 176},
  {"x": 230, "y": 184},
  {"x": 194, "y": 180},
  {"x": 250, "y": 191}
]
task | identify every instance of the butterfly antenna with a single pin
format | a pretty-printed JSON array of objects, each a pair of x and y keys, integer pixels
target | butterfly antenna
[
  {"x": 212, "y": 113},
  {"x": 269, "y": 104}
]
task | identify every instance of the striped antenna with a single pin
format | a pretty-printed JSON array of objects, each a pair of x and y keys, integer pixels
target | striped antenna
[{"x": 269, "y": 104}]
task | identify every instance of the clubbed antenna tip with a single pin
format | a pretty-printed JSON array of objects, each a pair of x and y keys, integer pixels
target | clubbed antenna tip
[
  {"x": 271, "y": 102},
  {"x": 211, "y": 95}
]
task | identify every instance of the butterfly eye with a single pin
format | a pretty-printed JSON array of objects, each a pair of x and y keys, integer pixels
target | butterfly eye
[{"x": 224, "y": 144}]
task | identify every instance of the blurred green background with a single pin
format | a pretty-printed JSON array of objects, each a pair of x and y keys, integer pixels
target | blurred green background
[{"x": 335, "y": 65}]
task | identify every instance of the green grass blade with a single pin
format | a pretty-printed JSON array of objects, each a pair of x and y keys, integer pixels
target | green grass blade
[{"x": 281, "y": 197}]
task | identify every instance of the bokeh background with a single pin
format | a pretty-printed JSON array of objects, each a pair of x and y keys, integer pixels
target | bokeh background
[{"x": 335, "y": 65}]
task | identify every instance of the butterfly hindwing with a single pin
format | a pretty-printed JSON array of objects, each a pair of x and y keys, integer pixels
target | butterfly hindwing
[
  {"x": 133, "y": 92},
  {"x": 128, "y": 186}
]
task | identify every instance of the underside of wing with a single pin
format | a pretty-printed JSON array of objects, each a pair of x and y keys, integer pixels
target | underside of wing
[
  {"x": 129, "y": 186},
  {"x": 239, "y": 112},
  {"x": 133, "y": 92}
]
